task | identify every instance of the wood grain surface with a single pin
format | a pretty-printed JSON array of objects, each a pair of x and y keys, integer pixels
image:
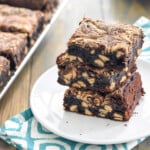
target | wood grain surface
[{"x": 17, "y": 97}]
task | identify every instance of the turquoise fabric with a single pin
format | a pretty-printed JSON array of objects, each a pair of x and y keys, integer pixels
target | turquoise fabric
[{"x": 24, "y": 132}]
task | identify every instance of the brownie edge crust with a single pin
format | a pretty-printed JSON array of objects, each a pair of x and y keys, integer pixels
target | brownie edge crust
[{"x": 118, "y": 105}]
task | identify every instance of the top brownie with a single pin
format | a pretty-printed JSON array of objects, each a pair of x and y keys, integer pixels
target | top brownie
[
  {"x": 103, "y": 44},
  {"x": 14, "y": 19}
]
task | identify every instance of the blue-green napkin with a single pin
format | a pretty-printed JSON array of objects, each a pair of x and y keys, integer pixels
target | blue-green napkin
[{"x": 24, "y": 132}]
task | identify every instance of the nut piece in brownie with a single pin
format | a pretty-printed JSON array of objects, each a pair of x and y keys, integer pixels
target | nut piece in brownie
[
  {"x": 76, "y": 74},
  {"x": 13, "y": 46},
  {"x": 22, "y": 20},
  {"x": 4, "y": 71},
  {"x": 102, "y": 44},
  {"x": 117, "y": 105}
]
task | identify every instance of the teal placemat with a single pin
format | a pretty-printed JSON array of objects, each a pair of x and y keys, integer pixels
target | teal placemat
[{"x": 24, "y": 132}]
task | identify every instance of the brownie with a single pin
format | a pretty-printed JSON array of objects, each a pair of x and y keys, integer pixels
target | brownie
[
  {"x": 106, "y": 45},
  {"x": 31, "y": 4},
  {"x": 80, "y": 76},
  {"x": 13, "y": 19},
  {"x": 117, "y": 105},
  {"x": 75, "y": 73},
  {"x": 13, "y": 46},
  {"x": 48, "y": 7},
  {"x": 4, "y": 71}
]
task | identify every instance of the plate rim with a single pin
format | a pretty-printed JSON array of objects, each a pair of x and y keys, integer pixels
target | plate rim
[{"x": 74, "y": 138}]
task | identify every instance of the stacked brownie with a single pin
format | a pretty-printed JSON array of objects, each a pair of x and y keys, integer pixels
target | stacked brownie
[
  {"x": 19, "y": 29},
  {"x": 99, "y": 68}
]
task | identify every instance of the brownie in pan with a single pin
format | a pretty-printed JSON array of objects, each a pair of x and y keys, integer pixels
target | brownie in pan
[
  {"x": 118, "y": 105},
  {"x": 14, "y": 47},
  {"x": 102, "y": 44},
  {"x": 48, "y": 7},
  {"x": 13, "y": 19},
  {"x": 31, "y": 4},
  {"x": 4, "y": 71}
]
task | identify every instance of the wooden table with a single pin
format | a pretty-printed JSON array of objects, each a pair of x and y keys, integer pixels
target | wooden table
[{"x": 17, "y": 97}]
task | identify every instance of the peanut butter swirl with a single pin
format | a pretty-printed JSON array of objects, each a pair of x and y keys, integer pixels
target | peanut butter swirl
[{"x": 110, "y": 37}]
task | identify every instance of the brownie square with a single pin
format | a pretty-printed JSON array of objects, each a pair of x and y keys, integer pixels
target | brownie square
[
  {"x": 31, "y": 4},
  {"x": 84, "y": 77},
  {"x": 4, "y": 71},
  {"x": 13, "y": 46},
  {"x": 74, "y": 73},
  {"x": 13, "y": 19},
  {"x": 117, "y": 105},
  {"x": 48, "y": 7},
  {"x": 105, "y": 45}
]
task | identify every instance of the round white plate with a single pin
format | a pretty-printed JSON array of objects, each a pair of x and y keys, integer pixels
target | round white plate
[{"x": 47, "y": 106}]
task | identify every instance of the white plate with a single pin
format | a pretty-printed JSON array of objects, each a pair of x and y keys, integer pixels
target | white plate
[
  {"x": 34, "y": 47},
  {"x": 47, "y": 105}
]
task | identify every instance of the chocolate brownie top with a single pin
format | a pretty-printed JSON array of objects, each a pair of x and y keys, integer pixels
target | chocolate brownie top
[
  {"x": 110, "y": 37},
  {"x": 12, "y": 43},
  {"x": 19, "y": 19}
]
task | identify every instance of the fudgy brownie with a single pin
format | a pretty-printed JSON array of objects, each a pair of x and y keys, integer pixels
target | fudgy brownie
[
  {"x": 74, "y": 73},
  {"x": 13, "y": 46},
  {"x": 80, "y": 76},
  {"x": 117, "y": 105},
  {"x": 13, "y": 19},
  {"x": 31, "y": 4},
  {"x": 46, "y": 6},
  {"x": 102, "y": 44},
  {"x": 4, "y": 71}
]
